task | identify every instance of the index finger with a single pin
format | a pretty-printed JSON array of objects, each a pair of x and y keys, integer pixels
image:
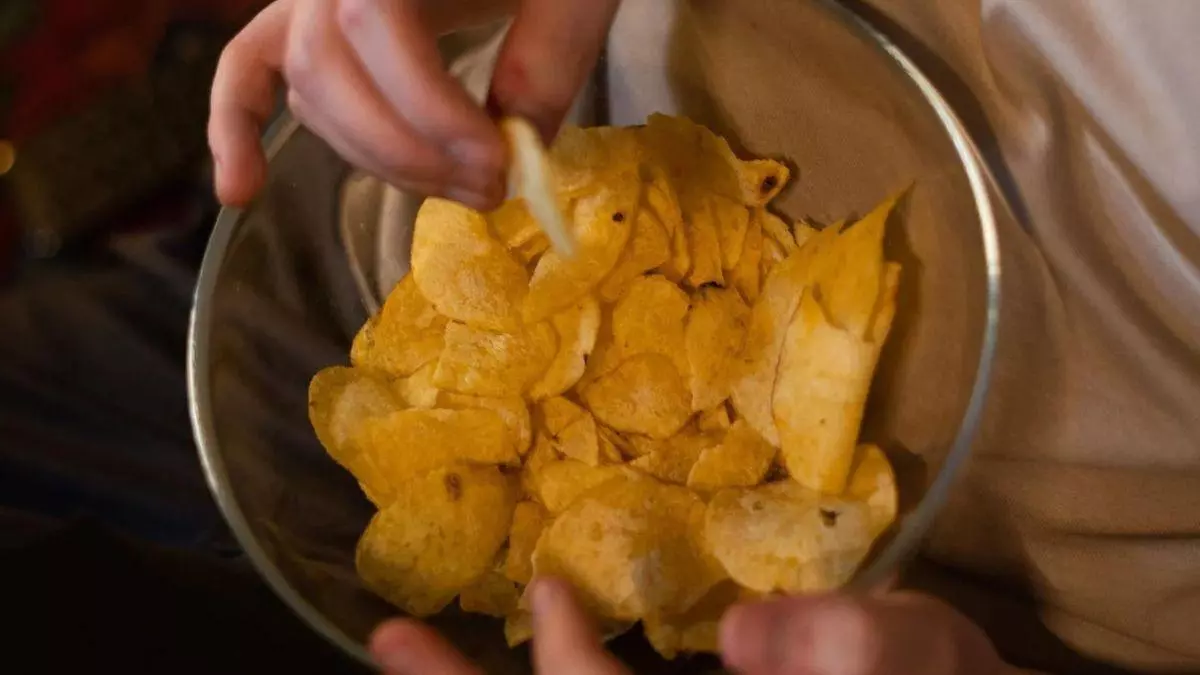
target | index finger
[{"x": 564, "y": 639}]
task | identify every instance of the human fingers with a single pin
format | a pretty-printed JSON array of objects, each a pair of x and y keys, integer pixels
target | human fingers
[
  {"x": 398, "y": 51},
  {"x": 406, "y": 647},
  {"x": 564, "y": 640},
  {"x": 895, "y": 634},
  {"x": 243, "y": 98},
  {"x": 547, "y": 56}
]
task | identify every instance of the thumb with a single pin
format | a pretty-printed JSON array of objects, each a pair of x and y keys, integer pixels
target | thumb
[
  {"x": 564, "y": 640},
  {"x": 894, "y": 634},
  {"x": 549, "y": 52}
]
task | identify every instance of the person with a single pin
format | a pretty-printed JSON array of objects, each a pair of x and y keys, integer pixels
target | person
[{"x": 1084, "y": 490}]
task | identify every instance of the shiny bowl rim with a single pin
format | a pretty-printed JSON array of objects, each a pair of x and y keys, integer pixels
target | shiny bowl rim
[{"x": 906, "y": 540}]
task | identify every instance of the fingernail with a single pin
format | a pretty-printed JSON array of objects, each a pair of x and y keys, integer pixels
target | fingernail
[
  {"x": 547, "y": 595},
  {"x": 389, "y": 644}
]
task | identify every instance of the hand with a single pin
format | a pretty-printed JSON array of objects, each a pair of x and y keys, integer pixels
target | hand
[
  {"x": 564, "y": 642},
  {"x": 899, "y": 633},
  {"x": 366, "y": 76}
]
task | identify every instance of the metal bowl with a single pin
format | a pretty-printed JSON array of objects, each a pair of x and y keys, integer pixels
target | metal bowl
[{"x": 286, "y": 283}]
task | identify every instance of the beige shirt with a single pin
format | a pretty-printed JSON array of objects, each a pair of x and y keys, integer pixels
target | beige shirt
[{"x": 1074, "y": 536}]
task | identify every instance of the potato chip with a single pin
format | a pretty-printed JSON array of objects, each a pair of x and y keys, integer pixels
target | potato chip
[
  {"x": 576, "y": 329},
  {"x": 746, "y": 276},
  {"x": 511, "y": 409},
  {"x": 393, "y": 449},
  {"x": 785, "y": 537},
  {"x": 560, "y": 482},
  {"x": 673, "y": 459},
  {"x": 778, "y": 230},
  {"x": 467, "y": 274},
  {"x": 405, "y": 335},
  {"x": 741, "y": 459},
  {"x": 852, "y": 271},
  {"x": 714, "y": 419},
  {"x": 609, "y": 452},
  {"x": 340, "y": 399},
  {"x": 713, "y": 340},
  {"x": 492, "y": 595},
  {"x": 558, "y": 413},
  {"x": 648, "y": 248},
  {"x": 803, "y": 231},
  {"x": 580, "y": 441},
  {"x": 583, "y": 158},
  {"x": 531, "y": 176},
  {"x": 872, "y": 482},
  {"x": 418, "y": 389},
  {"x": 630, "y": 548},
  {"x": 696, "y": 630},
  {"x": 733, "y": 221},
  {"x": 704, "y": 236},
  {"x": 531, "y": 251},
  {"x": 528, "y": 521},
  {"x": 440, "y": 534},
  {"x": 662, "y": 202},
  {"x": 512, "y": 223},
  {"x": 885, "y": 310},
  {"x": 541, "y": 454},
  {"x": 603, "y": 222},
  {"x": 820, "y": 393},
  {"x": 518, "y": 628},
  {"x": 618, "y": 441},
  {"x": 486, "y": 363},
  {"x": 649, "y": 319},
  {"x": 761, "y": 180},
  {"x": 769, "y": 321},
  {"x": 697, "y": 161},
  {"x": 772, "y": 255},
  {"x": 644, "y": 395}
]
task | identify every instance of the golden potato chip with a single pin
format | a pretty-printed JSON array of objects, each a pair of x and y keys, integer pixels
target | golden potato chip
[
  {"x": 511, "y": 409},
  {"x": 528, "y": 521},
  {"x": 885, "y": 311},
  {"x": 662, "y": 201},
  {"x": 609, "y": 452},
  {"x": 605, "y": 356},
  {"x": 340, "y": 399},
  {"x": 873, "y": 483},
  {"x": 852, "y": 271},
  {"x": 746, "y": 275},
  {"x": 531, "y": 176},
  {"x": 603, "y": 222},
  {"x": 518, "y": 628},
  {"x": 696, "y": 630},
  {"x": 772, "y": 255},
  {"x": 580, "y": 441},
  {"x": 769, "y": 321},
  {"x": 531, "y": 251},
  {"x": 761, "y": 180},
  {"x": 697, "y": 161},
  {"x": 576, "y": 328},
  {"x": 396, "y": 448},
  {"x": 674, "y": 458},
  {"x": 492, "y": 594},
  {"x": 440, "y": 534},
  {"x": 630, "y": 547},
  {"x": 560, "y": 482},
  {"x": 821, "y": 390},
  {"x": 405, "y": 335},
  {"x": 649, "y": 319},
  {"x": 618, "y": 441},
  {"x": 733, "y": 221},
  {"x": 714, "y": 419},
  {"x": 467, "y": 275},
  {"x": 713, "y": 340},
  {"x": 512, "y": 223},
  {"x": 485, "y": 363},
  {"x": 740, "y": 460},
  {"x": 704, "y": 236},
  {"x": 802, "y": 232},
  {"x": 418, "y": 389},
  {"x": 583, "y": 158},
  {"x": 644, "y": 395},
  {"x": 558, "y": 413},
  {"x": 778, "y": 230},
  {"x": 541, "y": 454},
  {"x": 785, "y": 537},
  {"x": 648, "y": 248}
]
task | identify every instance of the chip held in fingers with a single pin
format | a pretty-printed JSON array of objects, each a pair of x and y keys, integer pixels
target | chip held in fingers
[{"x": 633, "y": 375}]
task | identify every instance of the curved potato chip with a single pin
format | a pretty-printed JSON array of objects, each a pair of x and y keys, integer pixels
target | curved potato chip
[
  {"x": 649, "y": 319},
  {"x": 802, "y": 231},
  {"x": 746, "y": 276},
  {"x": 821, "y": 391},
  {"x": 405, "y": 335},
  {"x": 696, "y": 630},
  {"x": 485, "y": 363},
  {"x": 662, "y": 201},
  {"x": 618, "y": 441},
  {"x": 697, "y": 161},
  {"x": 558, "y": 413},
  {"x": 541, "y": 454},
  {"x": 648, "y": 248},
  {"x": 580, "y": 441},
  {"x": 398, "y": 447},
  {"x": 492, "y": 595},
  {"x": 674, "y": 458},
  {"x": 418, "y": 389},
  {"x": 630, "y": 547},
  {"x": 576, "y": 328},
  {"x": 714, "y": 419},
  {"x": 705, "y": 240},
  {"x": 528, "y": 521},
  {"x": 733, "y": 221},
  {"x": 531, "y": 176},
  {"x": 512, "y": 223},
  {"x": 785, "y": 537},
  {"x": 873, "y": 483},
  {"x": 531, "y": 251},
  {"x": 466, "y": 274},
  {"x": 518, "y": 628},
  {"x": 852, "y": 272},
  {"x": 511, "y": 409},
  {"x": 740, "y": 460},
  {"x": 713, "y": 339},
  {"x": 342, "y": 398},
  {"x": 761, "y": 180},
  {"x": 778, "y": 230},
  {"x": 643, "y": 395},
  {"x": 769, "y": 321},
  {"x": 772, "y": 255},
  {"x": 603, "y": 220},
  {"x": 558, "y": 483},
  {"x": 585, "y": 157},
  {"x": 439, "y": 536}
]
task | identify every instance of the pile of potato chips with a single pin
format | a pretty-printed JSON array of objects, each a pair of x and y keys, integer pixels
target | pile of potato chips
[{"x": 668, "y": 419}]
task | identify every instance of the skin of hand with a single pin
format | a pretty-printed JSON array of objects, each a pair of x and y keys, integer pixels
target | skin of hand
[
  {"x": 366, "y": 76},
  {"x": 898, "y": 633}
]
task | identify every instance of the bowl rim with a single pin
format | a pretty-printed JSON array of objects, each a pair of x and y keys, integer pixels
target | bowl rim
[{"x": 901, "y": 546}]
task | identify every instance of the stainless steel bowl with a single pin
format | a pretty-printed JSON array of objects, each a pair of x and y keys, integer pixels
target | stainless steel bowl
[{"x": 286, "y": 283}]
